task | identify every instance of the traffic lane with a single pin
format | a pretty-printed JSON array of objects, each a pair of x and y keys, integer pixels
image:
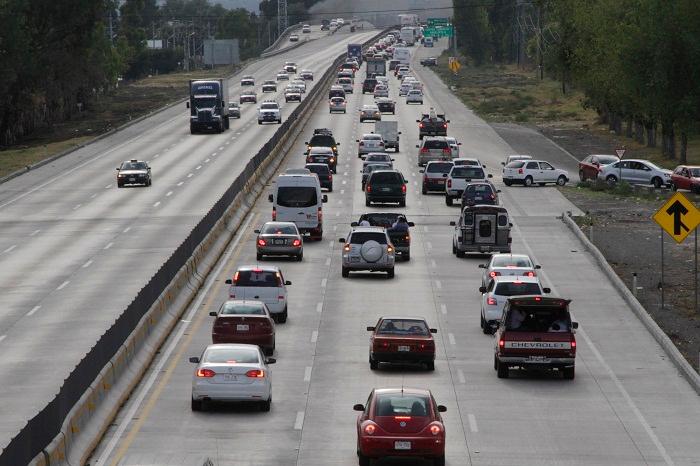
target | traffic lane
[{"x": 291, "y": 374}]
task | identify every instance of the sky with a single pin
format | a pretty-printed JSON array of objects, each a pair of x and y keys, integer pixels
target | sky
[{"x": 384, "y": 12}]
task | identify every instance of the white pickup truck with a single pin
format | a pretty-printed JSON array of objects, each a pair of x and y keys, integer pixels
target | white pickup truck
[{"x": 459, "y": 177}]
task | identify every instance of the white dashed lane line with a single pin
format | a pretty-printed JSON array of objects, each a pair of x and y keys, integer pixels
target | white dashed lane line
[
  {"x": 10, "y": 249},
  {"x": 87, "y": 264},
  {"x": 168, "y": 194},
  {"x": 126, "y": 230},
  {"x": 34, "y": 233},
  {"x": 181, "y": 183},
  {"x": 34, "y": 309},
  {"x": 156, "y": 204},
  {"x": 2, "y": 337},
  {"x": 62, "y": 285},
  {"x": 77, "y": 207},
  {"x": 198, "y": 167},
  {"x": 451, "y": 337},
  {"x": 190, "y": 175},
  {"x": 109, "y": 245},
  {"x": 108, "y": 186}
]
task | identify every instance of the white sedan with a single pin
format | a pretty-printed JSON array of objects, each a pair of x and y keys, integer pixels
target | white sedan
[
  {"x": 232, "y": 372},
  {"x": 414, "y": 96},
  {"x": 528, "y": 172},
  {"x": 497, "y": 292},
  {"x": 500, "y": 265}
]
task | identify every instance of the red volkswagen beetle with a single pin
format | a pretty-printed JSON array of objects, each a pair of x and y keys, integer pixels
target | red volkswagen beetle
[
  {"x": 401, "y": 340},
  {"x": 400, "y": 422},
  {"x": 244, "y": 321}
]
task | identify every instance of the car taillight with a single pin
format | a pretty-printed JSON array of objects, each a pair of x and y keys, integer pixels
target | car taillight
[
  {"x": 446, "y": 150},
  {"x": 368, "y": 188},
  {"x": 320, "y": 215},
  {"x": 494, "y": 273},
  {"x": 280, "y": 297},
  {"x": 491, "y": 301},
  {"x": 208, "y": 373},
  {"x": 424, "y": 150},
  {"x": 501, "y": 343},
  {"x": 403, "y": 188},
  {"x": 445, "y": 125},
  {"x": 331, "y": 160},
  {"x": 427, "y": 346},
  {"x": 493, "y": 197},
  {"x": 408, "y": 238},
  {"x": 255, "y": 374},
  {"x": 530, "y": 274},
  {"x": 346, "y": 248},
  {"x": 449, "y": 183},
  {"x": 520, "y": 171},
  {"x": 370, "y": 429},
  {"x": 420, "y": 125},
  {"x": 296, "y": 243},
  {"x": 235, "y": 276},
  {"x": 274, "y": 214},
  {"x": 435, "y": 429}
]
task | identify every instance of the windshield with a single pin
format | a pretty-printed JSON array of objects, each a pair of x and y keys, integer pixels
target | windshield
[
  {"x": 517, "y": 288},
  {"x": 466, "y": 171},
  {"x": 361, "y": 237},
  {"x": 231, "y": 356},
  {"x": 439, "y": 167},
  {"x": 205, "y": 102},
  {"x": 277, "y": 229},
  {"x": 376, "y": 166},
  {"x": 322, "y": 140},
  {"x": 435, "y": 144},
  {"x": 403, "y": 327},
  {"x": 538, "y": 320},
  {"x": 398, "y": 404},
  {"x": 133, "y": 166},
  {"x": 232, "y": 308},
  {"x": 386, "y": 178},
  {"x": 297, "y": 196}
]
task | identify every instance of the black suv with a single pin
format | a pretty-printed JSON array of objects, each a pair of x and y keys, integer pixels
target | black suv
[
  {"x": 325, "y": 177},
  {"x": 385, "y": 186},
  {"x": 322, "y": 138},
  {"x": 368, "y": 85}
]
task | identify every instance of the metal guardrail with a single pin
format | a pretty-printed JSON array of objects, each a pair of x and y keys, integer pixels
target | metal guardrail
[{"x": 43, "y": 428}]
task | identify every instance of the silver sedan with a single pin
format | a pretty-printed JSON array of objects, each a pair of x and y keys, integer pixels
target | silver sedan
[
  {"x": 279, "y": 239},
  {"x": 508, "y": 264},
  {"x": 370, "y": 112}
]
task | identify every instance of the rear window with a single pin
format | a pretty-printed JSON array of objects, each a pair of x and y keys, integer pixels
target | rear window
[
  {"x": 479, "y": 189},
  {"x": 361, "y": 237},
  {"x": 377, "y": 158},
  {"x": 370, "y": 82},
  {"x": 345, "y": 81},
  {"x": 376, "y": 166},
  {"x": 251, "y": 309},
  {"x": 380, "y": 220},
  {"x": 259, "y": 278},
  {"x": 403, "y": 327},
  {"x": 467, "y": 171},
  {"x": 538, "y": 320},
  {"x": 505, "y": 261},
  {"x": 516, "y": 164},
  {"x": 372, "y": 137},
  {"x": 386, "y": 178},
  {"x": 435, "y": 144},
  {"x": 320, "y": 169},
  {"x": 297, "y": 196},
  {"x": 277, "y": 229},
  {"x": 322, "y": 140},
  {"x": 515, "y": 289},
  {"x": 440, "y": 167},
  {"x": 231, "y": 355},
  {"x": 401, "y": 404}
]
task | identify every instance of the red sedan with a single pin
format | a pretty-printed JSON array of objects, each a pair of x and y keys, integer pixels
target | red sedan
[
  {"x": 686, "y": 177},
  {"x": 400, "y": 422},
  {"x": 589, "y": 167},
  {"x": 401, "y": 340},
  {"x": 244, "y": 321}
]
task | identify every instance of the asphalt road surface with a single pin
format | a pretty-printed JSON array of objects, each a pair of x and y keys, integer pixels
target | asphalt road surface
[
  {"x": 75, "y": 250},
  {"x": 628, "y": 404}
]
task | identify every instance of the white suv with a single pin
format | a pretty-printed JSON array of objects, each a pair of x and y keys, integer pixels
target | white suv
[
  {"x": 261, "y": 283},
  {"x": 368, "y": 248},
  {"x": 528, "y": 172},
  {"x": 499, "y": 289},
  {"x": 269, "y": 110}
]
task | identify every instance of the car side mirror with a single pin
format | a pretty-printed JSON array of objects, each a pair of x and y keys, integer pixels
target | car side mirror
[
  {"x": 442, "y": 409},
  {"x": 370, "y": 329},
  {"x": 287, "y": 283},
  {"x": 510, "y": 225},
  {"x": 354, "y": 224},
  {"x": 503, "y": 163},
  {"x": 187, "y": 104},
  {"x": 194, "y": 360},
  {"x": 417, "y": 146},
  {"x": 421, "y": 171},
  {"x": 306, "y": 142},
  {"x": 256, "y": 231},
  {"x": 574, "y": 325},
  {"x": 538, "y": 267},
  {"x": 399, "y": 132},
  {"x": 459, "y": 144},
  {"x": 482, "y": 289},
  {"x": 433, "y": 330},
  {"x": 363, "y": 157},
  {"x": 212, "y": 313},
  {"x": 482, "y": 266},
  {"x": 270, "y": 198},
  {"x": 417, "y": 121},
  {"x": 358, "y": 407},
  {"x": 489, "y": 175},
  {"x": 498, "y": 190},
  {"x": 337, "y": 143},
  {"x": 452, "y": 224},
  {"x": 546, "y": 290},
  {"x": 270, "y": 361},
  {"x": 341, "y": 240},
  {"x": 324, "y": 198},
  {"x": 229, "y": 281},
  {"x": 357, "y": 140},
  {"x": 411, "y": 224}
]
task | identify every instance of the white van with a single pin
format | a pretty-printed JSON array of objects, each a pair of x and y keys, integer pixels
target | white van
[{"x": 297, "y": 198}]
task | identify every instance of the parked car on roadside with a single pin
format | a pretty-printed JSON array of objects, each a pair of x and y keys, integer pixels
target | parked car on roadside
[
  {"x": 686, "y": 177},
  {"x": 591, "y": 166},
  {"x": 636, "y": 171}
]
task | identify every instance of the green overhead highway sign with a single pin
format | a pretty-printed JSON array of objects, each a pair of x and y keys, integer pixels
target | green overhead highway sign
[
  {"x": 432, "y": 22},
  {"x": 446, "y": 31}
]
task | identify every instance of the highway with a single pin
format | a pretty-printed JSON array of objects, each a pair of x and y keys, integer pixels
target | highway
[
  {"x": 75, "y": 250},
  {"x": 628, "y": 405}
]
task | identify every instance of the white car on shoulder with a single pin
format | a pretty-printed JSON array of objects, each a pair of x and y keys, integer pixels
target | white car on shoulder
[
  {"x": 636, "y": 171},
  {"x": 529, "y": 172}
]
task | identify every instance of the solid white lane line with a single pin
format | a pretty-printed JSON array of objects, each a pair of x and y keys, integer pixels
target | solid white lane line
[
  {"x": 34, "y": 233},
  {"x": 472, "y": 423},
  {"x": 126, "y": 230},
  {"x": 63, "y": 285},
  {"x": 443, "y": 309},
  {"x": 87, "y": 264},
  {"x": 220, "y": 148},
  {"x": 168, "y": 194},
  {"x": 146, "y": 388},
  {"x": 438, "y": 284},
  {"x": 156, "y": 204},
  {"x": 314, "y": 336},
  {"x": 328, "y": 261},
  {"x": 460, "y": 376},
  {"x": 109, "y": 245},
  {"x": 451, "y": 338},
  {"x": 307, "y": 374},
  {"x": 181, "y": 183},
  {"x": 319, "y": 307},
  {"x": 34, "y": 309},
  {"x": 324, "y": 282},
  {"x": 9, "y": 249},
  {"x": 2, "y": 337},
  {"x": 299, "y": 422}
]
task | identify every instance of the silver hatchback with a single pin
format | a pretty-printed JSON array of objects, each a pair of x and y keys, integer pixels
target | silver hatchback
[{"x": 368, "y": 248}]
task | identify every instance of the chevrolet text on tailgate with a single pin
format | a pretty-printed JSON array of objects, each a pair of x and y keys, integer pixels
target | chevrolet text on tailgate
[{"x": 535, "y": 332}]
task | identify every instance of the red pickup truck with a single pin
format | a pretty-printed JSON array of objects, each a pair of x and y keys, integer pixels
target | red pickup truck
[{"x": 535, "y": 332}]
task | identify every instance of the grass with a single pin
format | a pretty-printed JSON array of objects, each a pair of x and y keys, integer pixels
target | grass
[{"x": 128, "y": 101}]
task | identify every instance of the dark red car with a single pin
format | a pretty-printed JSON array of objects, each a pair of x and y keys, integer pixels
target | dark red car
[
  {"x": 589, "y": 167},
  {"x": 244, "y": 321},
  {"x": 400, "y": 422},
  {"x": 401, "y": 340},
  {"x": 686, "y": 177}
]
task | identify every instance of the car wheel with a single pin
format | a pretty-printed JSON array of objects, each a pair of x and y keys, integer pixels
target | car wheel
[
  {"x": 460, "y": 254},
  {"x": 367, "y": 203},
  {"x": 330, "y": 189},
  {"x": 119, "y": 185},
  {"x": 439, "y": 461},
  {"x": 424, "y": 190},
  {"x": 345, "y": 272},
  {"x": 407, "y": 256},
  {"x": 196, "y": 405},
  {"x": 258, "y": 256},
  {"x": 390, "y": 273},
  {"x": 259, "y": 122},
  {"x": 430, "y": 365},
  {"x": 283, "y": 316},
  {"x": 569, "y": 373},
  {"x": 485, "y": 327},
  {"x": 268, "y": 351},
  {"x": 507, "y": 182},
  {"x": 454, "y": 248},
  {"x": 674, "y": 188},
  {"x": 481, "y": 321},
  {"x": 581, "y": 176},
  {"x": 448, "y": 200},
  {"x": 279, "y": 122},
  {"x": 528, "y": 181},
  {"x": 402, "y": 203},
  {"x": 265, "y": 405},
  {"x": 561, "y": 181},
  {"x": 502, "y": 370},
  {"x": 656, "y": 181},
  {"x": 300, "y": 257},
  {"x": 611, "y": 179},
  {"x": 374, "y": 365}
]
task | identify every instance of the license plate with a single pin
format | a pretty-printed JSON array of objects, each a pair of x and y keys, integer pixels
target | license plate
[
  {"x": 278, "y": 241},
  {"x": 242, "y": 327},
  {"x": 441, "y": 181},
  {"x": 404, "y": 348},
  {"x": 230, "y": 377},
  {"x": 402, "y": 445},
  {"x": 537, "y": 358},
  {"x": 132, "y": 179},
  {"x": 386, "y": 190},
  {"x": 478, "y": 198}
]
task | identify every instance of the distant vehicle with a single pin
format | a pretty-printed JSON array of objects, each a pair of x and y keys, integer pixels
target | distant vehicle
[
  {"x": 528, "y": 172},
  {"x": 386, "y": 105},
  {"x": 432, "y": 61},
  {"x": 411, "y": 19},
  {"x": 433, "y": 148},
  {"x": 282, "y": 76},
  {"x": 454, "y": 145},
  {"x": 269, "y": 86},
  {"x": 248, "y": 97},
  {"x": 247, "y": 81},
  {"x": 428, "y": 42},
  {"x": 370, "y": 167},
  {"x": 322, "y": 137},
  {"x": 381, "y": 90},
  {"x": 400, "y": 239},
  {"x": 290, "y": 67},
  {"x": 336, "y": 104},
  {"x": 299, "y": 83},
  {"x": 376, "y": 66},
  {"x": 297, "y": 198},
  {"x": 370, "y": 143},
  {"x": 591, "y": 166},
  {"x": 499, "y": 265},
  {"x": 269, "y": 111},
  {"x": 459, "y": 186},
  {"x": 292, "y": 94},
  {"x": 355, "y": 51},
  {"x": 367, "y": 248},
  {"x": 208, "y": 105},
  {"x": 323, "y": 155},
  {"x": 391, "y": 417},
  {"x": 370, "y": 112},
  {"x": 408, "y": 35},
  {"x": 377, "y": 157},
  {"x": 481, "y": 229},
  {"x": 686, "y": 177},
  {"x": 133, "y": 172},
  {"x": 293, "y": 38},
  {"x": 478, "y": 193},
  {"x": 402, "y": 54},
  {"x": 325, "y": 25},
  {"x": 389, "y": 130},
  {"x": 241, "y": 321},
  {"x": 401, "y": 340},
  {"x": 414, "y": 96},
  {"x": 234, "y": 111},
  {"x": 325, "y": 176},
  {"x": 263, "y": 283},
  {"x": 307, "y": 75},
  {"x": 346, "y": 83},
  {"x": 306, "y": 29},
  {"x": 219, "y": 364},
  {"x": 279, "y": 239},
  {"x": 368, "y": 85},
  {"x": 432, "y": 124},
  {"x": 435, "y": 175},
  {"x": 336, "y": 91},
  {"x": 636, "y": 171}
]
